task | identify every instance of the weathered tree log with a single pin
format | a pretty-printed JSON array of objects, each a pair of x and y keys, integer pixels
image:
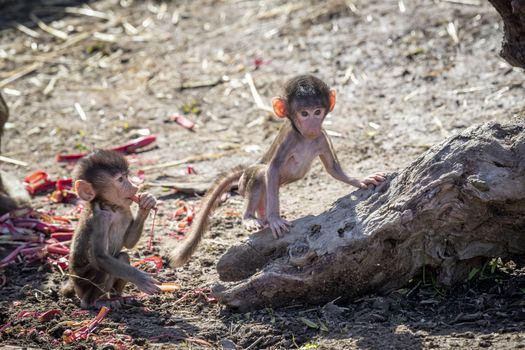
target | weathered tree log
[
  {"x": 4, "y": 115},
  {"x": 12, "y": 193},
  {"x": 462, "y": 200},
  {"x": 513, "y": 45}
]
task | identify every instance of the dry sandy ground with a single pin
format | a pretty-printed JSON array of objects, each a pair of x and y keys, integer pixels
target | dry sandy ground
[{"x": 408, "y": 74}]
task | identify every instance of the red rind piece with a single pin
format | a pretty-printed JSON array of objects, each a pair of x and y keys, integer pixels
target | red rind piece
[
  {"x": 136, "y": 144},
  {"x": 69, "y": 157},
  {"x": 129, "y": 147},
  {"x": 38, "y": 182},
  {"x": 48, "y": 315},
  {"x": 62, "y": 236},
  {"x": 70, "y": 336},
  {"x": 11, "y": 257},
  {"x": 64, "y": 184},
  {"x": 182, "y": 121},
  {"x": 157, "y": 261}
]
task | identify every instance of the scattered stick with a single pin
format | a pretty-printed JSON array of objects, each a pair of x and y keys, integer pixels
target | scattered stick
[
  {"x": 464, "y": 2},
  {"x": 496, "y": 95},
  {"x": 80, "y": 111},
  {"x": 20, "y": 73},
  {"x": 12, "y": 161},
  {"x": 87, "y": 12},
  {"x": 26, "y": 30},
  {"x": 451, "y": 30},
  {"x": 472, "y": 89},
  {"x": 198, "y": 158},
  {"x": 350, "y": 75},
  {"x": 73, "y": 40},
  {"x": 402, "y": 7},
  {"x": 256, "y": 122},
  {"x": 286, "y": 9},
  {"x": 182, "y": 187},
  {"x": 195, "y": 84},
  {"x": 50, "y": 86},
  {"x": 254, "y": 344},
  {"x": 109, "y": 38},
  {"x": 257, "y": 98},
  {"x": 334, "y": 133},
  {"x": 55, "y": 32}
]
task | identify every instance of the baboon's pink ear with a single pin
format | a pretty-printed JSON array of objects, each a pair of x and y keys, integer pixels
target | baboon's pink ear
[
  {"x": 85, "y": 190},
  {"x": 279, "y": 107},
  {"x": 332, "y": 99}
]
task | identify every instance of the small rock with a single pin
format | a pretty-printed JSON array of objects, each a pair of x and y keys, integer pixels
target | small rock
[
  {"x": 432, "y": 345},
  {"x": 381, "y": 303},
  {"x": 376, "y": 317},
  {"x": 331, "y": 310},
  {"x": 485, "y": 343},
  {"x": 395, "y": 307},
  {"x": 421, "y": 334},
  {"x": 468, "y": 335},
  {"x": 228, "y": 344}
]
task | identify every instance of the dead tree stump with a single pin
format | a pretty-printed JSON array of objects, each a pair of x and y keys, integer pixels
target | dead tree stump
[
  {"x": 462, "y": 200},
  {"x": 12, "y": 193},
  {"x": 513, "y": 45}
]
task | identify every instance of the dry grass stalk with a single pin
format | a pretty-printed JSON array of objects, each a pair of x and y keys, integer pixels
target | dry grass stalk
[
  {"x": 194, "y": 84},
  {"x": 48, "y": 29},
  {"x": 87, "y": 12},
  {"x": 327, "y": 9},
  {"x": 198, "y": 158},
  {"x": 26, "y": 30},
  {"x": 350, "y": 75},
  {"x": 50, "y": 86},
  {"x": 256, "y": 97},
  {"x": 12, "y": 161},
  {"x": 20, "y": 73},
  {"x": 464, "y": 2},
  {"x": 80, "y": 111},
  {"x": 402, "y": 7},
  {"x": 451, "y": 30},
  {"x": 334, "y": 133},
  {"x": 40, "y": 60},
  {"x": 286, "y": 9}
]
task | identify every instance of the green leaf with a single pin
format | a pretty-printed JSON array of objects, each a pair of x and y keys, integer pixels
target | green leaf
[
  {"x": 472, "y": 273},
  {"x": 323, "y": 326},
  {"x": 309, "y": 323}
]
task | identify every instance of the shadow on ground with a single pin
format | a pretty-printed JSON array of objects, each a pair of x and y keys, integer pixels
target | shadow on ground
[{"x": 18, "y": 11}]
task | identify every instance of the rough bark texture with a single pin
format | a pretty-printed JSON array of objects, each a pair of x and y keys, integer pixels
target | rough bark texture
[
  {"x": 462, "y": 200},
  {"x": 513, "y": 46},
  {"x": 12, "y": 193},
  {"x": 4, "y": 115}
]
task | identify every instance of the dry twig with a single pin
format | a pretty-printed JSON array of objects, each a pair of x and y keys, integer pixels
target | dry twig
[
  {"x": 12, "y": 161},
  {"x": 40, "y": 60},
  {"x": 48, "y": 29},
  {"x": 198, "y": 158},
  {"x": 257, "y": 98},
  {"x": 26, "y": 30}
]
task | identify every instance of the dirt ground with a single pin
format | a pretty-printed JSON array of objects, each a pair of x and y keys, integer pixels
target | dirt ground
[{"x": 408, "y": 74}]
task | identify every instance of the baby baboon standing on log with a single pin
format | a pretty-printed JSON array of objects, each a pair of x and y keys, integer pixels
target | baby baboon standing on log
[
  {"x": 305, "y": 103},
  {"x": 97, "y": 265}
]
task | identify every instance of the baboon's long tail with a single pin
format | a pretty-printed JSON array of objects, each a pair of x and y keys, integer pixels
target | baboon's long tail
[{"x": 182, "y": 253}]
